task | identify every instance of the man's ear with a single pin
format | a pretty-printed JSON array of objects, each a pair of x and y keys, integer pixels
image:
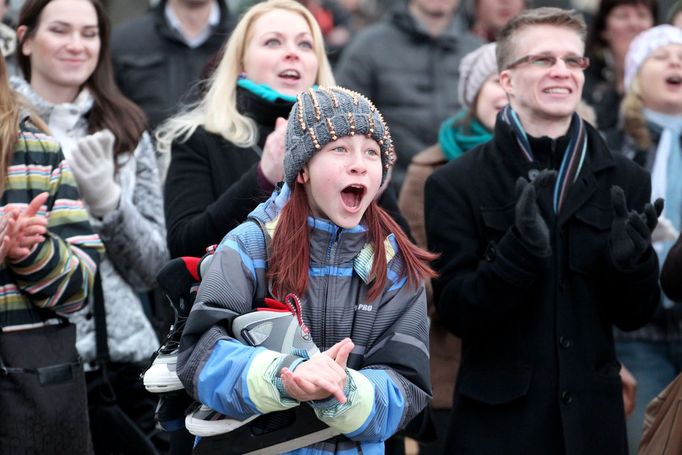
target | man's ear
[
  {"x": 25, "y": 47},
  {"x": 506, "y": 81},
  {"x": 303, "y": 175}
]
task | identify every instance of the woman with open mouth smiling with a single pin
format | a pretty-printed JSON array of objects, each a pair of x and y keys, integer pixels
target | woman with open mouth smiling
[
  {"x": 226, "y": 152},
  {"x": 324, "y": 238},
  {"x": 650, "y": 134},
  {"x": 64, "y": 55}
]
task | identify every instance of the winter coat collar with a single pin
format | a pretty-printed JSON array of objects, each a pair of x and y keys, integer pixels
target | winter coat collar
[
  {"x": 262, "y": 111},
  {"x": 166, "y": 30},
  {"x": 598, "y": 158},
  {"x": 402, "y": 19},
  {"x": 330, "y": 245},
  {"x": 80, "y": 107}
]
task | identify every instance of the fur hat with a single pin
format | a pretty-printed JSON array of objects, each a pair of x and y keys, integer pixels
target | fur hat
[
  {"x": 323, "y": 115},
  {"x": 474, "y": 70},
  {"x": 644, "y": 44}
]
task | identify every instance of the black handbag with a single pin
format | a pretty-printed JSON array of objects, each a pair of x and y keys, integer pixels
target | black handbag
[
  {"x": 115, "y": 394},
  {"x": 43, "y": 405}
]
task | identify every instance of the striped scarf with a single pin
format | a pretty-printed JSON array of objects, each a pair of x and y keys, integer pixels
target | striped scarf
[{"x": 573, "y": 159}]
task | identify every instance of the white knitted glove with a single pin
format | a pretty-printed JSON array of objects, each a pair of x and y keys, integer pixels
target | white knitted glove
[
  {"x": 664, "y": 231},
  {"x": 92, "y": 163}
]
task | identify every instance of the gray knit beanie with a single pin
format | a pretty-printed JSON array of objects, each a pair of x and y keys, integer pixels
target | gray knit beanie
[
  {"x": 323, "y": 115},
  {"x": 474, "y": 70}
]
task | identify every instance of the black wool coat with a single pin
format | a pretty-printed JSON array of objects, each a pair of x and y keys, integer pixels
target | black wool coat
[
  {"x": 212, "y": 184},
  {"x": 538, "y": 374}
]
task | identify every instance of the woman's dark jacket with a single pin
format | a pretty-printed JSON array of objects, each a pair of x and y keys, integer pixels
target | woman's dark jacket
[
  {"x": 212, "y": 185},
  {"x": 538, "y": 364}
]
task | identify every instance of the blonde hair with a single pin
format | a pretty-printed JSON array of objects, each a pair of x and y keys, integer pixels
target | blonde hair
[
  {"x": 9, "y": 123},
  {"x": 217, "y": 110},
  {"x": 632, "y": 112}
]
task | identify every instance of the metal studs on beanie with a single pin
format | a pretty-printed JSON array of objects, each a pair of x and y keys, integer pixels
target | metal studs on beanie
[
  {"x": 474, "y": 70},
  {"x": 644, "y": 44},
  {"x": 325, "y": 114}
]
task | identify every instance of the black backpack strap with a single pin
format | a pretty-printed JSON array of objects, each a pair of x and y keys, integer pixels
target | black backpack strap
[
  {"x": 102, "y": 358},
  {"x": 100, "y": 315}
]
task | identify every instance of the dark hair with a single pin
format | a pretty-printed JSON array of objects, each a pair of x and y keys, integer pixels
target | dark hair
[
  {"x": 595, "y": 43},
  {"x": 111, "y": 109}
]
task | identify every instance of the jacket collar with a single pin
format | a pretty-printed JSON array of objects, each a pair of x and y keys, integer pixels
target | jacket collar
[
  {"x": 264, "y": 112},
  {"x": 598, "y": 159},
  {"x": 330, "y": 245},
  {"x": 69, "y": 112},
  {"x": 166, "y": 30},
  {"x": 333, "y": 245},
  {"x": 401, "y": 17}
]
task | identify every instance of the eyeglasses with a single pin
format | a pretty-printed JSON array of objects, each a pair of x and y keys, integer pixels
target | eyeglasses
[{"x": 572, "y": 62}]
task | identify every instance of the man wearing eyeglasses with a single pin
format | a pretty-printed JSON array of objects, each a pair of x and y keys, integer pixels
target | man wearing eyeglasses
[{"x": 544, "y": 237}]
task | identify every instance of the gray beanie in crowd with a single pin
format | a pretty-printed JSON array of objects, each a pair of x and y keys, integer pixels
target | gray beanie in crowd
[
  {"x": 323, "y": 115},
  {"x": 474, "y": 70}
]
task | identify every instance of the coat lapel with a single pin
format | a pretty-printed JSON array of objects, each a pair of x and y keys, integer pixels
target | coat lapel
[
  {"x": 581, "y": 191},
  {"x": 599, "y": 158}
]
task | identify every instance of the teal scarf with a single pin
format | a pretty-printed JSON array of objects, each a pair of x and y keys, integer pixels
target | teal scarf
[
  {"x": 454, "y": 140},
  {"x": 263, "y": 90}
]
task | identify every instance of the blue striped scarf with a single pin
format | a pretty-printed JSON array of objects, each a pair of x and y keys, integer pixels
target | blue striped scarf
[{"x": 573, "y": 159}]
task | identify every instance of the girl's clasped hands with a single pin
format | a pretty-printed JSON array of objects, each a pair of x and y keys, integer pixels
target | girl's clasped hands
[{"x": 320, "y": 377}]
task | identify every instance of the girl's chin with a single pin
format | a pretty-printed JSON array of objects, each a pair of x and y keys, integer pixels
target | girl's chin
[{"x": 348, "y": 220}]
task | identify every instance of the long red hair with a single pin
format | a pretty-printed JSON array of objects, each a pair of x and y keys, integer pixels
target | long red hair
[{"x": 289, "y": 259}]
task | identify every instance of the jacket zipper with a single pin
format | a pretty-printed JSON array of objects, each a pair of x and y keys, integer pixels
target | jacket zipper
[{"x": 331, "y": 254}]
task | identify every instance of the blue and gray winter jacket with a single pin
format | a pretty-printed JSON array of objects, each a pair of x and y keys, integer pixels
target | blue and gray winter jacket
[{"x": 388, "y": 375}]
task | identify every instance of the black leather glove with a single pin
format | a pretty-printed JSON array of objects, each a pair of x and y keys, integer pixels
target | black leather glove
[
  {"x": 631, "y": 231},
  {"x": 530, "y": 225}
]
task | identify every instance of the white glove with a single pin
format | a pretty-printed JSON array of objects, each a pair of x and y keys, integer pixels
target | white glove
[
  {"x": 92, "y": 163},
  {"x": 664, "y": 231}
]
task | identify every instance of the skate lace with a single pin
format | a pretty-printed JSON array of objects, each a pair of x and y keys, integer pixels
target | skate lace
[
  {"x": 294, "y": 303},
  {"x": 172, "y": 341}
]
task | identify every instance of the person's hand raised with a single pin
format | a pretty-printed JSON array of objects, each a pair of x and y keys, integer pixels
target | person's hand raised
[
  {"x": 93, "y": 166},
  {"x": 528, "y": 221},
  {"x": 272, "y": 160},
  {"x": 631, "y": 231},
  {"x": 26, "y": 229}
]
